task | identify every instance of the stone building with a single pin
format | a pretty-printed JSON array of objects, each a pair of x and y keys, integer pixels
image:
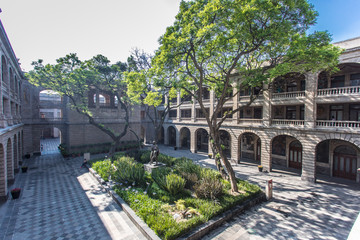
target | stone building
[
  {"x": 11, "y": 126},
  {"x": 309, "y": 122}
]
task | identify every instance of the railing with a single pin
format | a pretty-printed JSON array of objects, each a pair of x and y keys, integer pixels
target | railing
[
  {"x": 337, "y": 124},
  {"x": 338, "y": 91},
  {"x": 4, "y": 87},
  {"x": 250, "y": 121},
  {"x": 287, "y": 122},
  {"x": 51, "y": 119},
  {"x": 296, "y": 94},
  {"x": 247, "y": 98}
]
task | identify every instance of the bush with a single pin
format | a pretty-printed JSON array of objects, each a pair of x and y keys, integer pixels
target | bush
[
  {"x": 104, "y": 169},
  {"x": 134, "y": 153},
  {"x": 169, "y": 161},
  {"x": 159, "y": 176},
  {"x": 127, "y": 170},
  {"x": 188, "y": 170},
  {"x": 145, "y": 157},
  {"x": 208, "y": 188},
  {"x": 175, "y": 184}
]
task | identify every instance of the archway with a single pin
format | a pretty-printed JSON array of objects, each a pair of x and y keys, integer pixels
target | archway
[
  {"x": 286, "y": 151},
  {"x": 295, "y": 154},
  {"x": 225, "y": 141},
  {"x": 345, "y": 162},
  {"x": 337, "y": 158},
  {"x": 172, "y": 136},
  {"x": 50, "y": 140},
  {"x": 15, "y": 149},
  {"x": 202, "y": 140},
  {"x": 9, "y": 162},
  {"x": 185, "y": 138},
  {"x": 3, "y": 183},
  {"x": 249, "y": 147}
]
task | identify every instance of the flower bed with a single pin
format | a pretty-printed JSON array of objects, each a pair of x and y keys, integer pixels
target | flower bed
[{"x": 172, "y": 201}]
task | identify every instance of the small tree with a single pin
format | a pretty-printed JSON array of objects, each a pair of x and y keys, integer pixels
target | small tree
[
  {"x": 73, "y": 78},
  {"x": 211, "y": 41}
]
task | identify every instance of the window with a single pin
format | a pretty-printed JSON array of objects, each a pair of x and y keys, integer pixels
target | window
[
  {"x": 172, "y": 114},
  {"x": 200, "y": 114},
  {"x": 338, "y": 81},
  {"x": 257, "y": 113},
  {"x": 291, "y": 112},
  {"x": 186, "y": 113},
  {"x": 355, "y": 79},
  {"x": 336, "y": 112}
]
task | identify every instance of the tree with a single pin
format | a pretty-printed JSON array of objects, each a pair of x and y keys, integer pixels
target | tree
[
  {"x": 213, "y": 42},
  {"x": 149, "y": 90},
  {"x": 74, "y": 79}
]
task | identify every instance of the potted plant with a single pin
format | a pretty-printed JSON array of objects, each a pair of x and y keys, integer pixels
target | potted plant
[
  {"x": 260, "y": 167},
  {"x": 210, "y": 155},
  {"x": 24, "y": 169},
  {"x": 15, "y": 193}
]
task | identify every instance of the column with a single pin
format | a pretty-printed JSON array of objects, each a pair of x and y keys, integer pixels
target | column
[
  {"x": 266, "y": 111},
  {"x": 235, "y": 116},
  {"x": 310, "y": 94},
  {"x": 308, "y": 172}
]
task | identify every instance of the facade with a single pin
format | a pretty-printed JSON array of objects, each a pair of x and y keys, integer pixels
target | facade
[
  {"x": 309, "y": 122},
  {"x": 11, "y": 126}
]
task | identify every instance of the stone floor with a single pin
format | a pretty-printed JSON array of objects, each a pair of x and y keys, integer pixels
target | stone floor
[
  {"x": 61, "y": 201},
  {"x": 325, "y": 210}
]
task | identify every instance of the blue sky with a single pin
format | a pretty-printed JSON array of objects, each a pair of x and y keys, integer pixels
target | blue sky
[{"x": 49, "y": 29}]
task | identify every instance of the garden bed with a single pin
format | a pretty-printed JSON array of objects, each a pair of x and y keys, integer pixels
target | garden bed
[{"x": 178, "y": 198}]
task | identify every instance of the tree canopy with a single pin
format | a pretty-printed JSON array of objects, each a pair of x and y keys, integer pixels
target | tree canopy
[{"x": 213, "y": 42}]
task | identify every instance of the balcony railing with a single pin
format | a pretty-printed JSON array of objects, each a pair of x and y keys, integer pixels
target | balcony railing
[
  {"x": 337, "y": 124},
  {"x": 250, "y": 121},
  {"x": 296, "y": 94},
  {"x": 287, "y": 122},
  {"x": 339, "y": 91}
]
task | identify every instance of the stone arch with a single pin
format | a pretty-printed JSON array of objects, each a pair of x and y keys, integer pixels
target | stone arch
[
  {"x": 9, "y": 161},
  {"x": 185, "y": 138},
  {"x": 11, "y": 79},
  {"x": 225, "y": 140},
  {"x": 338, "y": 158},
  {"x": 171, "y": 136},
  {"x": 282, "y": 155},
  {"x": 249, "y": 146},
  {"x": 3, "y": 173},
  {"x": 202, "y": 140}
]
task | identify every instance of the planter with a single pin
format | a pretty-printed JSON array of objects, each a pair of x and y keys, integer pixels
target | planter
[
  {"x": 210, "y": 156},
  {"x": 175, "y": 148},
  {"x": 260, "y": 169},
  {"x": 24, "y": 169},
  {"x": 15, "y": 193}
]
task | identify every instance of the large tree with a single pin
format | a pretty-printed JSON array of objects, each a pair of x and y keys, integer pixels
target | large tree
[
  {"x": 149, "y": 90},
  {"x": 74, "y": 79},
  {"x": 211, "y": 41}
]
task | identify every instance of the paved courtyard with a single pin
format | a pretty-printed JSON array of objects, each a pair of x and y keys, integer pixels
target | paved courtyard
[
  {"x": 325, "y": 210},
  {"x": 61, "y": 201}
]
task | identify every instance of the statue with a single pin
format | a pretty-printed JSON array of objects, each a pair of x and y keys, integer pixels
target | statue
[{"x": 154, "y": 153}]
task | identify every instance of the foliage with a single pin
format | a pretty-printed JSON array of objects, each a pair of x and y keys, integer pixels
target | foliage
[
  {"x": 159, "y": 176},
  {"x": 169, "y": 161},
  {"x": 174, "y": 184},
  {"x": 188, "y": 170},
  {"x": 214, "y": 43},
  {"x": 75, "y": 79},
  {"x": 145, "y": 157},
  {"x": 129, "y": 171},
  {"x": 208, "y": 188},
  {"x": 103, "y": 168}
]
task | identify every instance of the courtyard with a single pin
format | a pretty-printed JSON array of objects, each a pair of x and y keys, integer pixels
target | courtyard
[{"x": 61, "y": 201}]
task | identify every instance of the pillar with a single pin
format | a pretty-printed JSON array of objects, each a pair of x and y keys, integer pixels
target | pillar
[{"x": 310, "y": 94}]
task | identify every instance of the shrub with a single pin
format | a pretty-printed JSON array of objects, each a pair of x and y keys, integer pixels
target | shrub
[
  {"x": 127, "y": 170},
  {"x": 169, "y": 161},
  {"x": 208, "y": 188},
  {"x": 188, "y": 170},
  {"x": 159, "y": 176},
  {"x": 134, "y": 153},
  {"x": 145, "y": 157},
  {"x": 104, "y": 169},
  {"x": 174, "y": 184}
]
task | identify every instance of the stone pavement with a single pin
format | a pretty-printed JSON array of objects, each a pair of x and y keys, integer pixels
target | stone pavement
[
  {"x": 50, "y": 145},
  {"x": 299, "y": 210},
  {"x": 61, "y": 201}
]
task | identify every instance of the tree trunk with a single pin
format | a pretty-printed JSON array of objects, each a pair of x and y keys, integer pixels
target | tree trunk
[{"x": 113, "y": 147}]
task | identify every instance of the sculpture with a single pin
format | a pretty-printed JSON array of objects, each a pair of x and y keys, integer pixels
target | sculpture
[{"x": 154, "y": 153}]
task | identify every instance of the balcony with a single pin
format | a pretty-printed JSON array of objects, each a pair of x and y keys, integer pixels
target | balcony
[
  {"x": 287, "y": 95},
  {"x": 339, "y": 91},
  {"x": 287, "y": 122},
  {"x": 338, "y": 124}
]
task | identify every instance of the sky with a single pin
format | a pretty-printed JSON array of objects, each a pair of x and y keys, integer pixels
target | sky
[{"x": 49, "y": 29}]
